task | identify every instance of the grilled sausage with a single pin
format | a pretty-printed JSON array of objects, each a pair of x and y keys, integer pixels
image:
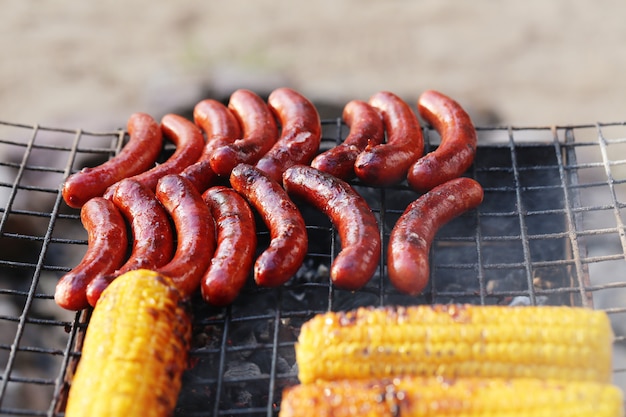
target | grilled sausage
[
  {"x": 259, "y": 132},
  {"x": 301, "y": 133},
  {"x": 153, "y": 237},
  {"x": 289, "y": 239},
  {"x": 189, "y": 143},
  {"x": 366, "y": 129},
  {"x": 138, "y": 155},
  {"x": 349, "y": 212},
  {"x": 236, "y": 244},
  {"x": 411, "y": 237},
  {"x": 388, "y": 163},
  {"x": 221, "y": 127},
  {"x": 107, "y": 241},
  {"x": 195, "y": 231},
  {"x": 456, "y": 152}
]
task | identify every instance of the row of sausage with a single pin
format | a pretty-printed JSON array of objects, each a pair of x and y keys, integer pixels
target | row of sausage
[{"x": 268, "y": 154}]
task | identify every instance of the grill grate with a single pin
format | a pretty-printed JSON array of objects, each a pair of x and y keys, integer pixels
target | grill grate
[{"x": 550, "y": 231}]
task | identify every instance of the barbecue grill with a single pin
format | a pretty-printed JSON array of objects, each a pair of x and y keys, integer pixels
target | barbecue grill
[{"x": 550, "y": 231}]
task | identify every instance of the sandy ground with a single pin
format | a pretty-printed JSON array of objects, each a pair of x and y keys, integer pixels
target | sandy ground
[{"x": 88, "y": 64}]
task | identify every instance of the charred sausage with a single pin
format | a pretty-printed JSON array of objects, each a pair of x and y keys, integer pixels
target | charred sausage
[
  {"x": 289, "y": 240},
  {"x": 138, "y": 155},
  {"x": 349, "y": 212},
  {"x": 236, "y": 244},
  {"x": 195, "y": 231},
  {"x": 366, "y": 129},
  {"x": 107, "y": 241},
  {"x": 259, "y": 131},
  {"x": 301, "y": 133},
  {"x": 153, "y": 237},
  {"x": 411, "y": 237},
  {"x": 456, "y": 152},
  {"x": 388, "y": 163},
  {"x": 221, "y": 127},
  {"x": 189, "y": 143}
]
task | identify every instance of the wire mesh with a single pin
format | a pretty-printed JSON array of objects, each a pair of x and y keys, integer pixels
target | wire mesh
[{"x": 550, "y": 231}]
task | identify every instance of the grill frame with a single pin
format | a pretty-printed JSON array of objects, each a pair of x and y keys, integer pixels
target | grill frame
[{"x": 41, "y": 157}]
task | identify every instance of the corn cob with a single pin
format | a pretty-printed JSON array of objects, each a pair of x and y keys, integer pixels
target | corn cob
[
  {"x": 463, "y": 397},
  {"x": 457, "y": 341},
  {"x": 135, "y": 350}
]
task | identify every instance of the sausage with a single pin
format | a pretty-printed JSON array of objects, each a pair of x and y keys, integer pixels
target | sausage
[
  {"x": 412, "y": 235},
  {"x": 456, "y": 152},
  {"x": 189, "y": 143},
  {"x": 219, "y": 124},
  {"x": 152, "y": 233},
  {"x": 388, "y": 163},
  {"x": 366, "y": 128},
  {"x": 236, "y": 244},
  {"x": 138, "y": 155},
  {"x": 358, "y": 229},
  {"x": 288, "y": 236},
  {"x": 221, "y": 127},
  {"x": 301, "y": 133},
  {"x": 107, "y": 241},
  {"x": 259, "y": 133},
  {"x": 195, "y": 231}
]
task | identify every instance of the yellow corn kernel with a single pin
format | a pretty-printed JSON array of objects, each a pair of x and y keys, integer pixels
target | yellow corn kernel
[
  {"x": 463, "y": 397},
  {"x": 135, "y": 350},
  {"x": 457, "y": 341}
]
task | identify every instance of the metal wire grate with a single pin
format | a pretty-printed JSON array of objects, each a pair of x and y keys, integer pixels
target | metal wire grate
[{"x": 550, "y": 231}]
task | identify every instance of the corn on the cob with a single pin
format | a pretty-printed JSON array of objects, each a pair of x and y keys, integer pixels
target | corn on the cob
[
  {"x": 464, "y": 397},
  {"x": 135, "y": 350},
  {"x": 457, "y": 341}
]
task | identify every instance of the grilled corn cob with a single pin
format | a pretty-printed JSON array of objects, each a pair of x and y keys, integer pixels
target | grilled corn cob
[
  {"x": 463, "y": 397},
  {"x": 457, "y": 341},
  {"x": 135, "y": 350}
]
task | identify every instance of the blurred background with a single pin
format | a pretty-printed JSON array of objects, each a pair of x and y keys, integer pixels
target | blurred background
[{"x": 89, "y": 64}]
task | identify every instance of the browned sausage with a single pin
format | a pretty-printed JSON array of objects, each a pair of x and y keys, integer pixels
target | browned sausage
[
  {"x": 456, "y": 152},
  {"x": 301, "y": 133},
  {"x": 236, "y": 245},
  {"x": 189, "y": 143},
  {"x": 195, "y": 231},
  {"x": 289, "y": 240},
  {"x": 107, "y": 241},
  {"x": 153, "y": 237},
  {"x": 138, "y": 155},
  {"x": 349, "y": 212},
  {"x": 221, "y": 127},
  {"x": 259, "y": 131},
  {"x": 411, "y": 237},
  {"x": 388, "y": 163},
  {"x": 366, "y": 129}
]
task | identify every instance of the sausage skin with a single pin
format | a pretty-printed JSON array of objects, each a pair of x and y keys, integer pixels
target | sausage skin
[
  {"x": 236, "y": 244},
  {"x": 366, "y": 129},
  {"x": 189, "y": 143},
  {"x": 152, "y": 233},
  {"x": 388, "y": 163},
  {"x": 289, "y": 240},
  {"x": 220, "y": 127},
  {"x": 138, "y": 155},
  {"x": 107, "y": 242},
  {"x": 301, "y": 133},
  {"x": 456, "y": 152},
  {"x": 358, "y": 230},
  {"x": 195, "y": 231},
  {"x": 412, "y": 236},
  {"x": 259, "y": 133}
]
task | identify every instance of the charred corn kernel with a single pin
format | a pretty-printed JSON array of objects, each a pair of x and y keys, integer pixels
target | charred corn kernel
[
  {"x": 457, "y": 341},
  {"x": 463, "y": 397},
  {"x": 135, "y": 350}
]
